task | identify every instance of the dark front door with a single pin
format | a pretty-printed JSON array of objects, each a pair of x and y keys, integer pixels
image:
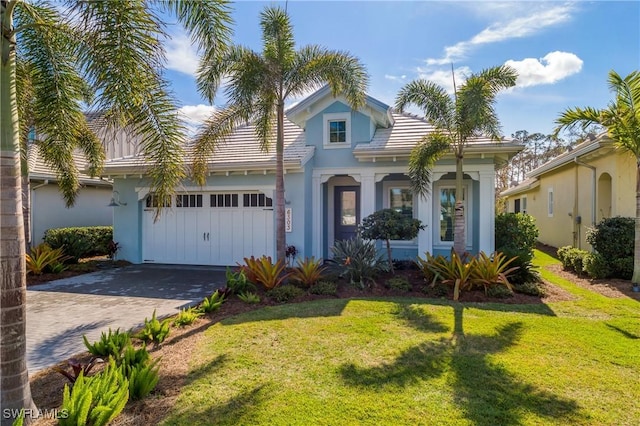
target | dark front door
[{"x": 347, "y": 211}]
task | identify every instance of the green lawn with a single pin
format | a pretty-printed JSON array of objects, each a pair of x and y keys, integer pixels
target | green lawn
[{"x": 417, "y": 361}]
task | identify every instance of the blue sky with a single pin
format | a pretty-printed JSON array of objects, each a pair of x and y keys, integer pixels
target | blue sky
[{"x": 562, "y": 51}]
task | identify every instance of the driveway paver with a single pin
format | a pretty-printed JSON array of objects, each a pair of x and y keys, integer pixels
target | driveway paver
[{"x": 59, "y": 313}]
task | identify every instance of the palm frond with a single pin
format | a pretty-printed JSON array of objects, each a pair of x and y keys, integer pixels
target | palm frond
[
  {"x": 578, "y": 117},
  {"x": 249, "y": 75},
  {"x": 26, "y": 97},
  {"x": 91, "y": 147},
  {"x": 423, "y": 158},
  {"x": 278, "y": 45},
  {"x": 266, "y": 106},
  {"x": 431, "y": 98},
  {"x": 213, "y": 132}
]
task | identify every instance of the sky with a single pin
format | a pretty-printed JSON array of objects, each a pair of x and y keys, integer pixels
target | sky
[{"x": 562, "y": 51}]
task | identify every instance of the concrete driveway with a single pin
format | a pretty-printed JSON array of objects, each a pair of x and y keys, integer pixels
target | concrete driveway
[{"x": 59, "y": 313}]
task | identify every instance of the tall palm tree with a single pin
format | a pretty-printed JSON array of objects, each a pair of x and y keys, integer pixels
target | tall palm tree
[
  {"x": 469, "y": 113},
  {"x": 621, "y": 118},
  {"x": 258, "y": 86},
  {"x": 104, "y": 54}
]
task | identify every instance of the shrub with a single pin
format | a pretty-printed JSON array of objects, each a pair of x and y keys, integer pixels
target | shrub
[
  {"x": 237, "y": 282},
  {"x": 81, "y": 242},
  {"x": 213, "y": 302},
  {"x": 308, "y": 271},
  {"x": 42, "y": 258},
  {"x": 516, "y": 236},
  {"x": 132, "y": 357},
  {"x": 110, "y": 344},
  {"x": 284, "y": 293},
  {"x": 500, "y": 292},
  {"x": 613, "y": 238},
  {"x": 249, "y": 297},
  {"x": 390, "y": 224},
  {"x": 398, "y": 283},
  {"x": 264, "y": 271},
  {"x": 596, "y": 266},
  {"x": 327, "y": 288},
  {"x": 572, "y": 258},
  {"x": 143, "y": 378},
  {"x": 491, "y": 271},
  {"x": 96, "y": 400},
  {"x": 187, "y": 317},
  {"x": 530, "y": 288},
  {"x": 454, "y": 271},
  {"x": 358, "y": 260},
  {"x": 154, "y": 330},
  {"x": 623, "y": 268}
]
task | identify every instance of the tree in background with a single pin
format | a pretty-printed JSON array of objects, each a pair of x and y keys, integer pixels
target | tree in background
[
  {"x": 259, "y": 85},
  {"x": 469, "y": 113},
  {"x": 105, "y": 54},
  {"x": 621, "y": 119}
]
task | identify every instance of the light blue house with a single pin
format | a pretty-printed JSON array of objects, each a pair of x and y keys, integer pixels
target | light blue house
[{"x": 340, "y": 166}]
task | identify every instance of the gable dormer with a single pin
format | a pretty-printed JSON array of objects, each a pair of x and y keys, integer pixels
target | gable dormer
[{"x": 341, "y": 126}]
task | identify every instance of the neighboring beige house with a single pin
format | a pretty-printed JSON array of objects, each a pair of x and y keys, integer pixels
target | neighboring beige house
[{"x": 576, "y": 190}]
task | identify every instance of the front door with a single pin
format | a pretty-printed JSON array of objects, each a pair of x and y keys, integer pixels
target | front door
[{"x": 347, "y": 212}]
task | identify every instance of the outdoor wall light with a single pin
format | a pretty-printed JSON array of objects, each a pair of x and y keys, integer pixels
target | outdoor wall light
[{"x": 115, "y": 200}]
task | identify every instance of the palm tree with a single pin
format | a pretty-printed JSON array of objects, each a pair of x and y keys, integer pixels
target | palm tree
[
  {"x": 469, "y": 113},
  {"x": 51, "y": 62},
  {"x": 621, "y": 118},
  {"x": 259, "y": 85}
]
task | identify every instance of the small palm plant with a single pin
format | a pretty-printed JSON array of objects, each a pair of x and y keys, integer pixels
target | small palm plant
[{"x": 308, "y": 271}]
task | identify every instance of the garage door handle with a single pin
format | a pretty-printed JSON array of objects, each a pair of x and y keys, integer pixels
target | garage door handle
[
  {"x": 207, "y": 236},
  {"x": 204, "y": 236}
]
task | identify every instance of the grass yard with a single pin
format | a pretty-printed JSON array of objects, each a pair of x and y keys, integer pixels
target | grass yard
[{"x": 417, "y": 361}]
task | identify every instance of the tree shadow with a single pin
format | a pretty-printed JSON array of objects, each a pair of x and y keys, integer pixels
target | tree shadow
[
  {"x": 625, "y": 333},
  {"x": 488, "y": 393},
  {"x": 419, "y": 319},
  {"x": 317, "y": 308}
]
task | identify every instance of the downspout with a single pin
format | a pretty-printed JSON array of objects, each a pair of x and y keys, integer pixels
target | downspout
[{"x": 593, "y": 191}]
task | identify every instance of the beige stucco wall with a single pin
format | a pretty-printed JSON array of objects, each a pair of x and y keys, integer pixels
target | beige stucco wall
[{"x": 572, "y": 187}]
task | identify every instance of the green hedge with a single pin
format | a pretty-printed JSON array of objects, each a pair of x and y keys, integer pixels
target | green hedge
[
  {"x": 516, "y": 236},
  {"x": 82, "y": 241},
  {"x": 613, "y": 239}
]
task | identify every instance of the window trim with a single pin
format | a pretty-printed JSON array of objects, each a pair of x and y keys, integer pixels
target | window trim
[
  {"x": 523, "y": 204},
  {"x": 550, "y": 202},
  {"x": 387, "y": 186},
  {"x": 336, "y": 116},
  {"x": 468, "y": 202}
]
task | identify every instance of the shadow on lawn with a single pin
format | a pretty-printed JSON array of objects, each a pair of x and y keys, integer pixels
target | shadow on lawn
[
  {"x": 313, "y": 309},
  {"x": 488, "y": 393}
]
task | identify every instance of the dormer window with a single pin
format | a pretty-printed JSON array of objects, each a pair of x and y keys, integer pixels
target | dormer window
[{"x": 337, "y": 130}]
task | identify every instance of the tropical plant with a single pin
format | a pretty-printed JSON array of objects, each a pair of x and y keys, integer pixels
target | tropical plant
[
  {"x": 187, "y": 317},
  {"x": 291, "y": 254},
  {"x": 43, "y": 258},
  {"x": 77, "y": 368},
  {"x": 154, "y": 330},
  {"x": 284, "y": 293},
  {"x": 212, "y": 303},
  {"x": 143, "y": 378},
  {"x": 390, "y": 224},
  {"x": 53, "y": 58},
  {"x": 238, "y": 282},
  {"x": 308, "y": 271},
  {"x": 358, "y": 259},
  {"x": 454, "y": 271},
  {"x": 492, "y": 271},
  {"x": 265, "y": 272},
  {"x": 110, "y": 344},
  {"x": 621, "y": 118},
  {"x": 132, "y": 357},
  {"x": 249, "y": 297},
  {"x": 457, "y": 121},
  {"x": 95, "y": 400},
  {"x": 259, "y": 85}
]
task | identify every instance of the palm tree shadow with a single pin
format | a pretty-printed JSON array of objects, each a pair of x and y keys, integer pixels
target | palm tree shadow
[{"x": 488, "y": 393}]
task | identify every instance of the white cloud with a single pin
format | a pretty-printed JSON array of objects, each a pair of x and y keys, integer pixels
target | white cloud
[
  {"x": 182, "y": 56},
  {"x": 196, "y": 114},
  {"x": 515, "y": 28},
  {"x": 553, "y": 67},
  {"x": 443, "y": 77},
  {"x": 395, "y": 77}
]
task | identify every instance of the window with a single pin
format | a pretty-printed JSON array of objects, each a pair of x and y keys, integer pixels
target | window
[
  {"x": 516, "y": 205},
  {"x": 153, "y": 202},
  {"x": 401, "y": 200},
  {"x": 337, "y": 130},
  {"x": 550, "y": 202},
  {"x": 224, "y": 200},
  {"x": 524, "y": 205},
  {"x": 257, "y": 200},
  {"x": 446, "y": 226},
  {"x": 185, "y": 200}
]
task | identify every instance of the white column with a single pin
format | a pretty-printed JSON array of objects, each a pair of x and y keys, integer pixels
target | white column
[
  {"x": 367, "y": 193},
  {"x": 425, "y": 214},
  {"x": 316, "y": 200},
  {"x": 487, "y": 211}
]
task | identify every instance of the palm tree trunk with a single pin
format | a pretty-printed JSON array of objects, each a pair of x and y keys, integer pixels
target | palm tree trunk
[
  {"x": 26, "y": 208},
  {"x": 459, "y": 243},
  {"x": 636, "y": 255},
  {"x": 281, "y": 244},
  {"x": 16, "y": 392}
]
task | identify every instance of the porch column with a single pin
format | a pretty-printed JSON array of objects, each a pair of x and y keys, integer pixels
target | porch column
[
  {"x": 487, "y": 212},
  {"x": 316, "y": 200},
  {"x": 425, "y": 214},
  {"x": 367, "y": 193}
]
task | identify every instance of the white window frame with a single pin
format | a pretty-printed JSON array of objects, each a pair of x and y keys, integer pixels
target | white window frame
[
  {"x": 387, "y": 186},
  {"x": 523, "y": 204},
  {"x": 550, "y": 202},
  {"x": 468, "y": 233},
  {"x": 336, "y": 116}
]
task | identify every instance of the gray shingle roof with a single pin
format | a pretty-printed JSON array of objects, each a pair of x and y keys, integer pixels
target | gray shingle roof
[{"x": 39, "y": 170}]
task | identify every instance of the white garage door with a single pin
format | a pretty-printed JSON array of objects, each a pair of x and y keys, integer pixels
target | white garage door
[{"x": 209, "y": 229}]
